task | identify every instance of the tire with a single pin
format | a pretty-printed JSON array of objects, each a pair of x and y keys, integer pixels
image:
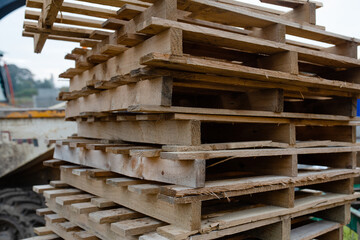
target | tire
[{"x": 18, "y": 213}]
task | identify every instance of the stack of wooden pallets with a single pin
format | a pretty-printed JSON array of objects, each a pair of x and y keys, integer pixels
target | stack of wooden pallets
[{"x": 200, "y": 119}]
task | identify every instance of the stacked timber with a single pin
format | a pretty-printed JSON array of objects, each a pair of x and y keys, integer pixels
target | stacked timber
[{"x": 200, "y": 119}]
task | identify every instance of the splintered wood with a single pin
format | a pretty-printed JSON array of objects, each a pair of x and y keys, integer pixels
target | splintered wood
[{"x": 199, "y": 119}]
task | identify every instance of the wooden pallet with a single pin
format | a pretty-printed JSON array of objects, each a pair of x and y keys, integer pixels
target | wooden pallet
[
  {"x": 178, "y": 38},
  {"x": 209, "y": 96},
  {"x": 177, "y": 89},
  {"x": 107, "y": 220},
  {"x": 193, "y": 165},
  {"x": 158, "y": 24},
  {"x": 184, "y": 206},
  {"x": 196, "y": 129}
]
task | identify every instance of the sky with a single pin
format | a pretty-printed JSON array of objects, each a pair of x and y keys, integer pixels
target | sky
[{"x": 337, "y": 16}]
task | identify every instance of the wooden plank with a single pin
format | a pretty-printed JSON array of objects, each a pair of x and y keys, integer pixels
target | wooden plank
[
  {"x": 123, "y": 181},
  {"x": 41, "y": 231},
  {"x": 84, "y": 208},
  {"x": 192, "y": 129},
  {"x": 89, "y": 43},
  {"x": 58, "y": 184},
  {"x": 60, "y": 192},
  {"x": 69, "y": 227},
  {"x": 102, "y": 146},
  {"x": 239, "y": 83},
  {"x": 219, "y": 146},
  {"x": 129, "y": 11},
  {"x": 240, "y": 186},
  {"x": 292, "y": 3},
  {"x": 65, "y": 19},
  {"x": 80, "y": 9},
  {"x": 118, "y": 3},
  {"x": 42, "y": 188},
  {"x": 135, "y": 227},
  {"x": 301, "y": 208},
  {"x": 99, "y": 35},
  {"x": 43, "y": 211},
  {"x": 55, "y": 163},
  {"x": 313, "y": 230},
  {"x": 67, "y": 200},
  {"x": 54, "y": 218},
  {"x": 145, "y": 152},
  {"x": 48, "y": 16},
  {"x": 102, "y": 202},
  {"x": 230, "y": 112},
  {"x": 79, "y": 51},
  {"x": 99, "y": 173},
  {"x": 112, "y": 50},
  {"x": 50, "y": 11},
  {"x": 187, "y": 132},
  {"x": 145, "y": 188},
  {"x": 113, "y": 215},
  {"x": 59, "y": 31},
  {"x": 254, "y": 153}
]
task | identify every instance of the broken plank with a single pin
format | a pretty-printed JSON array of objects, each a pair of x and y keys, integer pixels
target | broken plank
[{"x": 254, "y": 153}]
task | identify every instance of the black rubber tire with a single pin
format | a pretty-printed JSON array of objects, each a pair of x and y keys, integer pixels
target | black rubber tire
[{"x": 18, "y": 213}]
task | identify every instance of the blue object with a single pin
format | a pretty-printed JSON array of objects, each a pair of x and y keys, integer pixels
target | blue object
[
  {"x": 7, "y": 6},
  {"x": 358, "y": 108}
]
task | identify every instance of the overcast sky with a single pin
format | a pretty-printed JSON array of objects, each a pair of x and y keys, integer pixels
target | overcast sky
[{"x": 341, "y": 17}]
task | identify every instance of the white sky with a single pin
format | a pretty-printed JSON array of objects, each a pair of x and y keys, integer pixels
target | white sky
[{"x": 337, "y": 16}]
